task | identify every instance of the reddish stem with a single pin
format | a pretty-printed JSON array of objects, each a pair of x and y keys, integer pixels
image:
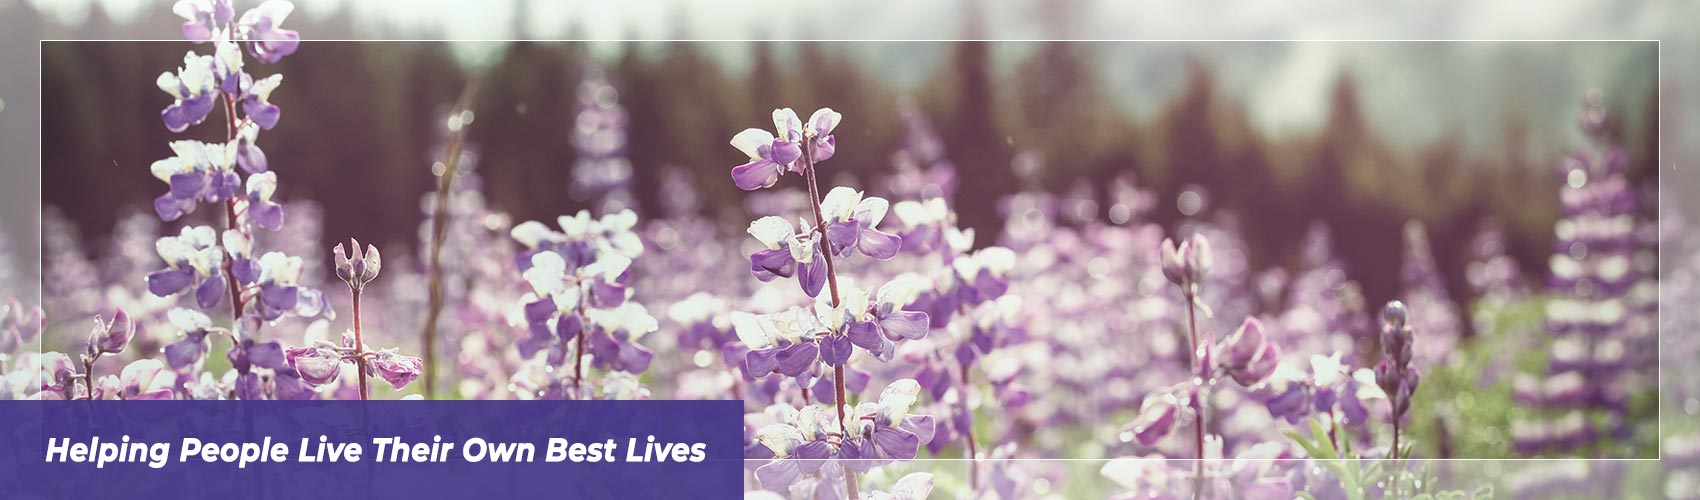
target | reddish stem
[
  {"x": 1199, "y": 398},
  {"x": 359, "y": 345},
  {"x": 832, "y": 282}
]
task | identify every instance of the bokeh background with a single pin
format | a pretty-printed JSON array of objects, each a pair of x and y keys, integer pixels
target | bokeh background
[{"x": 1360, "y": 136}]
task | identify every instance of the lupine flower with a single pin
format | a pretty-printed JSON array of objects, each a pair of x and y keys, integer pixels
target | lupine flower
[
  {"x": 145, "y": 379},
  {"x": 255, "y": 98},
  {"x": 194, "y": 326},
  {"x": 194, "y": 89},
  {"x": 394, "y": 368},
  {"x": 782, "y": 342},
  {"x": 360, "y": 268},
  {"x": 317, "y": 365},
  {"x": 788, "y": 253},
  {"x": 199, "y": 172},
  {"x": 1187, "y": 264},
  {"x": 852, "y": 224},
  {"x": 192, "y": 259},
  {"x": 201, "y": 18},
  {"x": 110, "y": 337},
  {"x": 770, "y": 156},
  {"x": 1395, "y": 375},
  {"x": 259, "y": 206},
  {"x": 260, "y": 27}
]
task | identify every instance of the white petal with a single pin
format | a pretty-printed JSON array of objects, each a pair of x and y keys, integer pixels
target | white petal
[
  {"x": 751, "y": 140},
  {"x": 787, "y": 126},
  {"x": 188, "y": 320},
  {"x": 823, "y": 121},
  {"x": 530, "y": 233},
  {"x": 871, "y": 211},
  {"x": 170, "y": 84},
  {"x": 840, "y": 203},
  {"x": 770, "y": 231},
  {"x": 263, "y": 87}
]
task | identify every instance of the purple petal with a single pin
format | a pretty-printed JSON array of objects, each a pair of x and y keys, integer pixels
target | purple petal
[
  {"x": 797, "y": 358},
  {"x": 825, "y": 149},
  {"x": 864, "y": 334},
  {"x": 169, "y": 207},
  {"x": 248, "y": 387},
  {"x": 267, "y": 215},
  {"x": 183, "y": 353},
  {"x": 267, "y": 355},
  {"x": 783, "y": 154},
  {"x": 251, "y": 158},
  {"x": 272, "y": 44},
  {"x": 922, "y": 426},
  {"x": 210, "y": 292},
  {"x": 879, "y": 245},
  {"x": 896, "y": 443},
  {"x": 539, "y": 311},
  {"x": 769, "y": 264},
  {"x": 188, "y": 184},
  {"x": 568, "y": 327},
  {"x": 761, "y": 362},
  {"x": 756, "y": 174},
  {"x": 778, "y": 475},
  {"x": 292, "y": 388},
  {"x": 835, "y": 350},
  {"x": 843, "y": 236},
  {"x": 246, "y": 271},
  {"x": 812, "y": 275},
  {"x": 169, "y": 282},
  {"x": 912, "y": 325},
  {"x": 263, "y": 113},
  {"x": 608, "y": 295}
]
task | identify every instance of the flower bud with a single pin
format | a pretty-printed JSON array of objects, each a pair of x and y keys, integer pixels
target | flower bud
[
  {"x": 1186, "y": 265},
  {"x": 1244, "y": 344},
  {"x": 316, "y": 365},
  {"x": 111, "y": 337},
  {"x": 1156, "y": 419},
  {"x": 394, "y": 368},
  {"x": 358, "y": 268}
]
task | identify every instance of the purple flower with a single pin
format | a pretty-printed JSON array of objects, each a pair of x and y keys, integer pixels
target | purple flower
[
  {"x": 192, "y": 258},
  {"x": 394, "y": 368},
  {"x": 317, "y": 365},
  {"x": 770, "y": 156},
  {"x": 360, "y": 268},
  {"x": 110, "y": 337},
  {"x": 201, "y": 18},
  {"x": 1188, "y": 264},
  {"x": 851, "y": 224},
  {"x": 260, "y": 27},
  {"x": 259, "y": 207},
  {"x": 782, "y": 342},
  {"x": 199, "y": 172},
  {"x": 145, "y": 379},
  {"x": 788, "y": 254},
  {"x": 1156, "y": 418},
  {"x": 194, "y": 325},
  {"x": 818, "y": 131},
  {"x": 255, "y": 97},
  {"x": 1248, "y": 356},
  {"x": 193, "y": 88}
]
